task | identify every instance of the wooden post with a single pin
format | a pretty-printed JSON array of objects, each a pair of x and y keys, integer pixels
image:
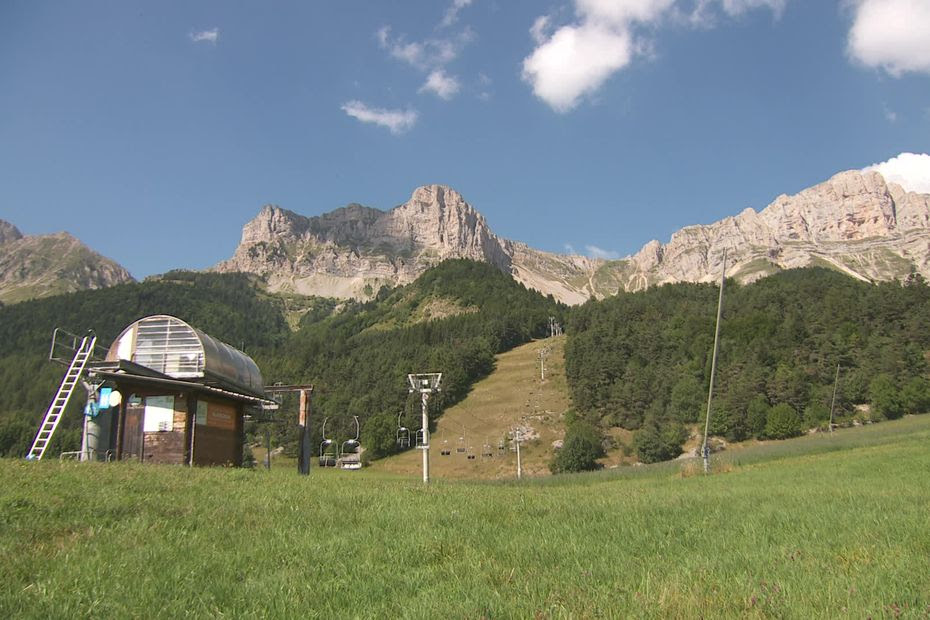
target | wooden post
[
  {"x": 303, "y": 421},
  {"x": 267, "y": 447},
  {"x": 120, "y": 424}
]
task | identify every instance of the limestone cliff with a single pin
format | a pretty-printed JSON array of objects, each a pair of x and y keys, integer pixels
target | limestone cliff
[
  {"x": 352, "y": 251},
  {"x": 855, "y": 222}
]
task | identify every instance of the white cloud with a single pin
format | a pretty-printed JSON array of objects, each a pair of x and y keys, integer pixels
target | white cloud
[
  {"x": 575, "y": 61},
  {"x": 622, "y": 13},
  {"x": 909, "y": 170},
  {"x": 209, "y": 36},
  {"x": 424, "y": 55},
  {"x": 893, "y": 35},
  {"x": 596, "y": 252},
  {"x": 440, "y": 84},
  {"x": 572, "y": 62},
  {"x": 433, "y": 54},
  {"x": 397, "y": 121},
  {"x": 734, "y": 8},
  {"x": 540, "y": 29},
  {"x": 452, "y": 13},
  {"x": 570, "y": 248}
]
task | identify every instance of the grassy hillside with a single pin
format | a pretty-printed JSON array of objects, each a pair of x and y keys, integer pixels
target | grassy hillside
[
  {"x": 513, "y": 395},
  {"x": 822, "y": 527}
]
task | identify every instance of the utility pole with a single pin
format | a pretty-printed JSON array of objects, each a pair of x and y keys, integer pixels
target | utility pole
[
  {"x": 705, "y": 453},
  {"x": 836, "y": 380}
]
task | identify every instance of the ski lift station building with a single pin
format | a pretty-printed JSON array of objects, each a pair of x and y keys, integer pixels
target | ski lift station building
[{"x": 182, "y": 396}]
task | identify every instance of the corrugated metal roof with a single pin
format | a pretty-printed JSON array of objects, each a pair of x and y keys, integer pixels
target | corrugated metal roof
[{"x": 170, "y": 346}]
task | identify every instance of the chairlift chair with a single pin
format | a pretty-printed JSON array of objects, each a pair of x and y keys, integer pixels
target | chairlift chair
[
  {"x": 403, "y": 433},
  {"x": 350, "y": 454},
  {"x": 327, "y": 449}
]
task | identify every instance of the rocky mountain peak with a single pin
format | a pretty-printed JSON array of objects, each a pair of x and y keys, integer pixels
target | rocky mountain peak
[
  {"x": 8, "y": 232},
  {"x": 353, "y": 250},
  {"x": 271, "y": 223}
]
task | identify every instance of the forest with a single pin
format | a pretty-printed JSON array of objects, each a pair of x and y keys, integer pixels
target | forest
[
  {"x": 641, "y": 361},
  {"x": 453, "y": 319}
]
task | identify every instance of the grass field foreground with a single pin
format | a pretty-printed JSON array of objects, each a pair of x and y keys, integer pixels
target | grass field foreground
[{"x": 799, "y": 532}]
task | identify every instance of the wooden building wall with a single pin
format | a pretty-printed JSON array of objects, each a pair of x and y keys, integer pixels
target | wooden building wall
[
  {"x": 218, "y": 433},
  {"x": 216, "y": 424},
  {"x": 169, "y": 447}
]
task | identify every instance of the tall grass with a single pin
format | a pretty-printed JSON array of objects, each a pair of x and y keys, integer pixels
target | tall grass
[{"x": 813, "y": 530}]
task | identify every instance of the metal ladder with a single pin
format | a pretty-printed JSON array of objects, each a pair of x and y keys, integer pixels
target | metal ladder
[{"x": 57, "y": 408}]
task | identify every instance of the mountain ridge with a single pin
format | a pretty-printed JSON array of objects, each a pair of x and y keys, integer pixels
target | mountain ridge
[{"x": 855, "y": 222}]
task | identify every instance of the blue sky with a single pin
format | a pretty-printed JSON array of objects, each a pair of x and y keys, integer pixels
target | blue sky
[{"x": 154, "y": 130}]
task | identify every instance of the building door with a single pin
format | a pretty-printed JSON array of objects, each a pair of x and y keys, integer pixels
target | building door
[{"x": 132, "y": 431}]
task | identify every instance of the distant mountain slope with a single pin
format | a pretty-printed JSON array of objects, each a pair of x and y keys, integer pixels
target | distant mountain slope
[
  {"x": 38, "y": 266},
  {"x": 855, "y": 222}
]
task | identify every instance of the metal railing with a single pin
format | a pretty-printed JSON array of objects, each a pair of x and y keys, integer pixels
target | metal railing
[{"x": 65, "y": 345}]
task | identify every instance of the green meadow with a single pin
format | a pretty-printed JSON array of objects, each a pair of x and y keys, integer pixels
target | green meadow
[{"x": 818, "y": 527}]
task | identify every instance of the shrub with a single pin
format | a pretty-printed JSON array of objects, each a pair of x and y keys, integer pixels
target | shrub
[
  {"x": 582, "y": 447},
  {"x": 782, "y": 422},
  {"x": 659, "y": 440},
  {"x": 915, "y": 396},
  {"x": 884, "y": 397}
]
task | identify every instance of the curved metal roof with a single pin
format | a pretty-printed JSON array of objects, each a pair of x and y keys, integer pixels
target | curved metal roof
[{"x": 169, "y": 345}]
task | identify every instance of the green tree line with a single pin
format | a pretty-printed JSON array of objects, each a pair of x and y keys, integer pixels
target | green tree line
[{"x": 641, "y": 361}]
